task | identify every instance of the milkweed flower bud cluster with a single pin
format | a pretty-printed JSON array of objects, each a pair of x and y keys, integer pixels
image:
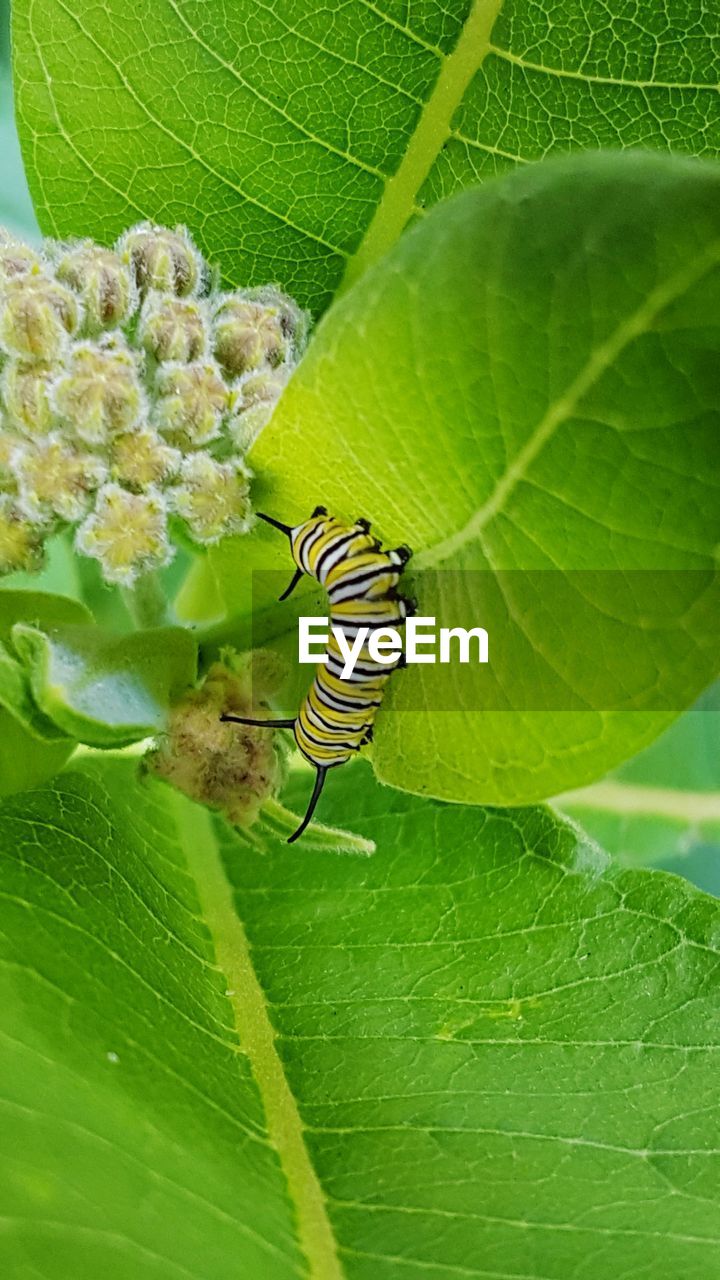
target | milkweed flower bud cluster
[{"x": 131, "y": 387}]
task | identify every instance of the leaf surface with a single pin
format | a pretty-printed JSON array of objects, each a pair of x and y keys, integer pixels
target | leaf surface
[
  {"x": 526, "y": 392},
  {"x": 298, "y": 141},
  {"x": 103, "y": 689},
  {"x": 481, "y": 1052}
]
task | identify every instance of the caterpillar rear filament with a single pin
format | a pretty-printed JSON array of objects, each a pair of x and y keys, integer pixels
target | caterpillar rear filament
[{"x": 336, "y": 718}]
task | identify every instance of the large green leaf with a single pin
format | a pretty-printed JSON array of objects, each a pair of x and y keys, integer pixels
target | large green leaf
[
  {"x": 479, "y": 1053},
  {"x": 530, "y": 382},
  {"x": 662, "y": 808},
  {"x": 297, "y": 140}
]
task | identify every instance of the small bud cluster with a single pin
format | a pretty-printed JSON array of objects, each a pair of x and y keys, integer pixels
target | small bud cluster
[
  {"x": 130, "y": 390},
  {"x": 229, "y": 767}
]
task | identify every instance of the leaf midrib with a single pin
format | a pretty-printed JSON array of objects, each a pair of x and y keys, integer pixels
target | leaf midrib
[
  {"x": 600, "y": 359},
  {"x": 433, "y": 128},
  {"x": 630, "y": 799},
  {"x": 257, "y": 1038}
]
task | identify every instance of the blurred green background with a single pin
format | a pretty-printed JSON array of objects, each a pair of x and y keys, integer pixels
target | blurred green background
[{"x": 16, "y": 211}]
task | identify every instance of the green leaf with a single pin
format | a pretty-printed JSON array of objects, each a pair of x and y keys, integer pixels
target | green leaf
[
  {"x": 479, "y": 1053},
  {"x": 529, "y": 386},
  {"x": 298, "y": 142},
  {"x": 102, "y": 689},
  {"x": 662, "y": 808}
]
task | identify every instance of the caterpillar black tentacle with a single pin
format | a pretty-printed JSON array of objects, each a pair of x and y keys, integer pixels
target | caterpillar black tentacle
[{"x": 336, "y": 718}]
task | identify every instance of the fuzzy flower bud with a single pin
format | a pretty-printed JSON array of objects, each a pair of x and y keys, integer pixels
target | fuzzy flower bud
[
  {"x": 212, "y": 497},
  {"x": 255, "y": 328},
  {"x": 191, "y": 402},
  {"x": 105, "y": 284},
  {"x": 26, "y": 397},
  {"x": 16, "y": 258},
  {"x": 20, "y": 540},
  {"x": 229, "y": 767},
  {"x": 127, "y": 533},
  {"x": 253, "y": 401},
  {"x": 100, "y": 393},
  {"x": 54, "y": 479},
  {"x": 36, "y": 316},
  {"x": 162, "y": 259},
  {"x": 141, "y": 458},
  {"x": 173, "y": 329}
]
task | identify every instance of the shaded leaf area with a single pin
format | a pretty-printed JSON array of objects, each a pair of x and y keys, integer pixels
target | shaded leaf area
[
  {"x": 662, "y": 808},
  {"x": 529, "y": 382},
  {"x": 502, "y": 1053},
  {"x": 297, "y": 142}
]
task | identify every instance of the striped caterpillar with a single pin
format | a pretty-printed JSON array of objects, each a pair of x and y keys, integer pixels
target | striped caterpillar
[{"x": 336, "y": 718}]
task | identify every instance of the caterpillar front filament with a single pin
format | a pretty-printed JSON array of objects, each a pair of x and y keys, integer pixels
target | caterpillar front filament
[{"x": 336, "y": 718}]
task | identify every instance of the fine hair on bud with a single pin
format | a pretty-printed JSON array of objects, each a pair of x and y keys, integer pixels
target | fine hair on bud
[
  {"x": 100, "y": 391},
  {"x": 54, "y": 479},
  {"x": 162, "y": 260},
  {"x": 141, "y": 459},
  {"x": 174, "y": 328},
  {"x": 191, "y": 402},
  {"x": 16, "y": 258},
  {"x": 26, "y": 399},
  {"x": 126, "y": 533},
  {"x": 212, "y": 497},
  {"x": 21, "y": 541},
  {"x": 256, "y": 327},
  {"x": 37, "y": 315},
  {"x": 228, "y": 767},
  {"x": 103, "y": 280}
]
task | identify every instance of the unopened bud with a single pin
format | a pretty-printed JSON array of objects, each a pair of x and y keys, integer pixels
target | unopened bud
[
  {"x": 233, "y": 768},
  {"x": 212, "y": 497},
  {"x": 162, "y": 259},
  {"x": 253, "y": 401},
  {"x": 56, "y": 480},
  {"x": 126, "y": 533},
  {"x": 36, "y": 316},
  {"x": 105, "y": 284},
  {"x": 100, "y": 391},
  {"x": 256, "y": 327},
  {"x": 21, "y": 542},
  {"x": 26, "y": 397},
  {"x": 173, "y": 328},
  {"x": 16, "y": 258},
  {"x": 141, "y": 459},
  {"x": 191, "y": 401}
]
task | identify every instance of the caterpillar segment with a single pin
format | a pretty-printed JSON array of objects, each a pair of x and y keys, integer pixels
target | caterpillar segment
[{"x": 337, "y": 715}]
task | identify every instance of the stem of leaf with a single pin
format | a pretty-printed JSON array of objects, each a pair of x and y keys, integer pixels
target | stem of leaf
[
  {"x": 147, "y": 603},
  {"x": 275, "y": 818}
]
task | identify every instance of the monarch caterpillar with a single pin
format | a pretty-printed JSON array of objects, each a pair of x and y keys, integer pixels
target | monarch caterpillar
[{"x": 336, "y": 718}]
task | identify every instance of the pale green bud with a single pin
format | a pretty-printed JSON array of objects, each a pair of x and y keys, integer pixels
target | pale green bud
[
  {"x": 16, "y": 258},
  {"x": 26, "y": 397},
  {"x": 126, "y": 533},
  {"x": 55, "y": 480},
  {"x": 21, "y": 542},
  {"x": 161, "y": 259},
  {"x": 173, "y": 328},
  {"x": 252, "y": 403},
  {"x": 9, "y": 446},
  {"x": 141, "y": 459},
  {"x": 212, "y": 497},
  {"x": 192, "y": 399},
  {"x": 36, "y": 316},
  {"x": 100, "y": 391},
  {"x": 256, "y": 327},
  {"x": 104, "y": 282}
]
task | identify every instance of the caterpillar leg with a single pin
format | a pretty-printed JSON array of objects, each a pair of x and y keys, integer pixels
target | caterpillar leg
[
  {"x": 297, "y": 576},
  {"x": 319, "y": 781},
  {"x": 364, "y": 524},
  {"x": 319, "y": 511},
  {"x": 403, "y": 552}
]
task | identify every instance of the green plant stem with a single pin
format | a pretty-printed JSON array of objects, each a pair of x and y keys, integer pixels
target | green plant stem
[
  {"x": 147, "y": 603},
  {"x": 282, "y": 822}
]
